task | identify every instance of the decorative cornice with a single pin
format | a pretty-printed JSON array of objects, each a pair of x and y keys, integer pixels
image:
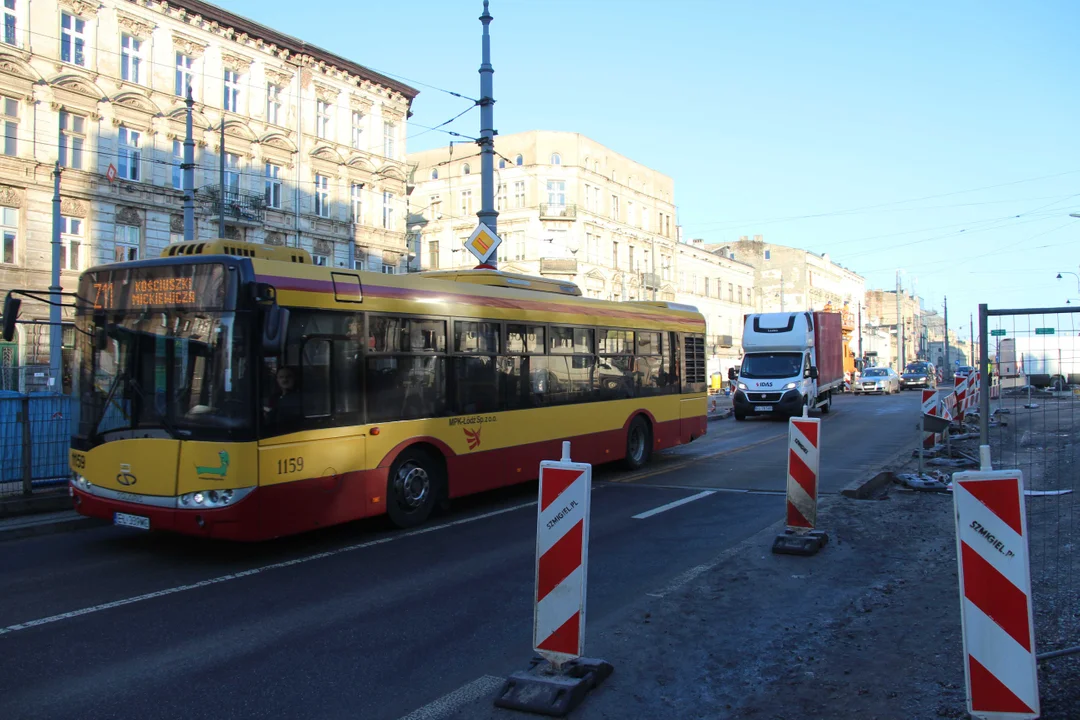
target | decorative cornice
[
  {"x": 11, "y": 197},
  {"x": 85, "y": 8},
  {"x": 236, "y": 63},
  {"x": 326, "y": 93},
  {"x": 281, "y": 78},
  {"x": 358, "y": 102},
  {"x": 392, "y": 113},
  {"x": 188, "y": 45},
  {"x": 134, "y": 25},
  {"x": 128, "y": 216}
]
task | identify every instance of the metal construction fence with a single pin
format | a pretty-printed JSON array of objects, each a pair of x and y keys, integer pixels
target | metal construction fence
[
  {"x": 35, "y": 434},
  {"x": 1034, "y": 425}
]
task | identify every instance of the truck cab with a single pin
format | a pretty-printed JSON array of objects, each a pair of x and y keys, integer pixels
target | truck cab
[{"x": 784, "y": 356}]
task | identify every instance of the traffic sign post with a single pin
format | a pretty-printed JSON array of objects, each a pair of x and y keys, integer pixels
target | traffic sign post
[{"x": 558, "y": 680}]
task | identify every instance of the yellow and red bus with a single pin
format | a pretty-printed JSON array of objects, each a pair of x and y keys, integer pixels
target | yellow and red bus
[{"x": 237, "y": 391}]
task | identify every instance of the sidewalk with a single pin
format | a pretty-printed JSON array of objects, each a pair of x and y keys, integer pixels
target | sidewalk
[
  {"x": 43, "y": 523},
  {"x": 719, "y": 406}
]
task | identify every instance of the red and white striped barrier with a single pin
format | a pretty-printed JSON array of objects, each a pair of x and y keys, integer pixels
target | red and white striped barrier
[
  {"x": 562, "y": 552},
  {"x": 974, "y": 384},
  {"x": 804, "y": 453},
  {"x": 948, "y": 407},
  {"x": 960, "y": 387},
  {"x": 995, "y": 589},
  {"x": 802, "y": 473},
  {"x": 930, "y": 405}
]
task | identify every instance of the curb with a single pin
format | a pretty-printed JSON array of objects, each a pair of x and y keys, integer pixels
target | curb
[
  {"x": 882, "y": 478},
  {"x": 21, "y": 506},
  {"x": 723, "y": 415},
  {"x": 47, "y": 526}
]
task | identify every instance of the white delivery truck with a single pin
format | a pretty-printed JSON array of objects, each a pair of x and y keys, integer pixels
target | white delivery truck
[
  {"x": 790, "y": 361},
  {"x": 1045, "y": 360}
]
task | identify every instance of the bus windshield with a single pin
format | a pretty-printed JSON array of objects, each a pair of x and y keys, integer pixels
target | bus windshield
[{"x": 175, "y": 372}]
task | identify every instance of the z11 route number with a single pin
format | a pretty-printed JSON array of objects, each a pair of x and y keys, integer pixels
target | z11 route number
[{"x": 286, "y": 466}]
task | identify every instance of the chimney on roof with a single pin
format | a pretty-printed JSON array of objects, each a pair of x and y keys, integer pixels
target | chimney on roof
[
  {"x": 759, "y": 238},
  {"x": 744, "y": 238}
]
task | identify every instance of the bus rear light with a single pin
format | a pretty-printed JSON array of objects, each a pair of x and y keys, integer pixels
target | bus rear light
[{"x": 375, "y": 500}]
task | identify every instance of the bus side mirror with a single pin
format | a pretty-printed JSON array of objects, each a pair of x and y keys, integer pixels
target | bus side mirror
[
  {"x": 275, "y": 323},
  {"x": 11, "y": 313},
  {"x": 813, "y": 373}
]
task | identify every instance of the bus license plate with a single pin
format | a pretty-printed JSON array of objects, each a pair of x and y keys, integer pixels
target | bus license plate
[
  {"x": 133, "y": 521},
  {"x": 763, "y": 408}
]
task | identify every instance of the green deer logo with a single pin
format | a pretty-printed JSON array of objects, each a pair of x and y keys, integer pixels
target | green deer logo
[{"x": 220, "y": 471}]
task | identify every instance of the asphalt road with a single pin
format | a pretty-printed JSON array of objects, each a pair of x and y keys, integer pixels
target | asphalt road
[{"x": 365, "y": 622}]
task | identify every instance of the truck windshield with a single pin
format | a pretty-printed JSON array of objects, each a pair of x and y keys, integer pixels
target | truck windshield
[
  {"x": 772, "y": 365},
  {"x": 172, "y": 373}
]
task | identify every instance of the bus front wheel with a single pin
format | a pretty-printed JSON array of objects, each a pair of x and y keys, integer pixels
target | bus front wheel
[
  {"x": 413, "y": 488},
  {"x": 638, "y": 444}
]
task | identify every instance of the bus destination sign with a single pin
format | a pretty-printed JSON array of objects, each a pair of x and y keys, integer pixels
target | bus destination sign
[{"x": 195, "y": 287}]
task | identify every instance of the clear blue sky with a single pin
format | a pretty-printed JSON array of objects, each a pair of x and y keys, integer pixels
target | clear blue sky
[{"x": 928, "y": 121}]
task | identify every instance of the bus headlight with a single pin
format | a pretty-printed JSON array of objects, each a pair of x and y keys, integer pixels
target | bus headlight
[
  {"x": 791, "y": 386},
  {"x": 202, "y": 499},
  {"x": 742, "y": 386}
]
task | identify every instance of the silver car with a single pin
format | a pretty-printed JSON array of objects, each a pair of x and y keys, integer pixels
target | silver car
[{"x": 882, "y": 380}]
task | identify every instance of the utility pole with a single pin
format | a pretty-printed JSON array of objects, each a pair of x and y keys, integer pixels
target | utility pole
[
  {"x": 899, "y": 324},
  {"x": 948, "y": 368},
  {"x": 221, "y": 181},
  {"x": 860, "y": 333},
  {"x": 971, "y": 342},
  {"x": 56, "y": 332},
  {"x": 781, "y": 291},
  {"x": 187, "y": 168},
  {"x": 488, "y": 215}
]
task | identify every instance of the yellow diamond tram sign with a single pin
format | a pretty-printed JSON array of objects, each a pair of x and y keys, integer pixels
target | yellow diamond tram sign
[{"x": 482, "y": 243}]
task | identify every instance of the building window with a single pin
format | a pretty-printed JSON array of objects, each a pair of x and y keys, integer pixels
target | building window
[
  {"x": 231, "y": 101},
  {"x": 72, "y": 140},
  {"x": 730, "y": 292},
  {"x": 273, "y": 104},
  {"x": 358, "y": 130},
  {"x": 131, "y": 59},
  {"x": 130, "y": 155},
  {"x": 389, "y": 270},
  {"x": 9, "y": 228},
  {"x": 322, "y": 119},
  {"x": 320, "y": 260},
  {"x": 630, "y": 258},
  {"x": 519, "y": 160},
  {"x": 615, "y": 254},
  {"x": 466, "y": 203},
  {"x": 388, "y": 210},
  {"x": 232, "y": 172},
  {"x": 356, "y": 206},
  {"x": 184, "y": 74},
  {"x": 433, "y": 255},
  {"x": 434, "y": 173},
  {"x": 10, "y": 35},
  {"x": 768, "y": 255},
  {"x": 273, "y": 186},
  {"x": 556, "y": 159},
  {"x": 556, "y": 192},
  {"x": 357, "y": 263},
  {"x": 502, "y": 163},
  {"x": 629, "y": 212},
  {"x": 435, "y": 204},
  {"x": 177, "y": 161},
  {"x": 465, "y": 169},
  {"x": 127, "y": 243},
  {"x": 71, "y": 241},
  {"x": 388, "y": 139},
  {"x": 10, "y": 108},
  {"x": 500, "y": 199},
  {"x": 73, "y": 39},
  {"x": 519, "y": 194},
  {"x": 615, "y": 207},
  {"x": 322, "y": 196}
]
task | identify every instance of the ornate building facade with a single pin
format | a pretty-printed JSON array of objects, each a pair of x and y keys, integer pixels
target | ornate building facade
[{"x": 314, "y": 144}]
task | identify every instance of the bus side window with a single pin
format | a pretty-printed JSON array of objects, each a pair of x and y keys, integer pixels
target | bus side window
[{"x": 315, "y": 378}]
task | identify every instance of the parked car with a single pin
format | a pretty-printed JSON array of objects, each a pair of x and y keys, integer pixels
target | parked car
[
  {"x": 919, "y": 374},
  {"x": 882, "y": 380}
]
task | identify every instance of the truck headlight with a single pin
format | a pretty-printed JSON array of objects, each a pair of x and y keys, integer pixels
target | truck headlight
[
  {"x": 742, "y": 386},
  {"x": 791, "y": 386},
  {"x": 201, "y": 499}
]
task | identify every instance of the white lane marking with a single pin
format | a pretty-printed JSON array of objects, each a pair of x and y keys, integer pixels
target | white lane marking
[
  {"x": 683, "y": 579},
  {"x": 671, "y": 505},
  {"x": 254, "y": 571},
  {"x": 658, "y": 486},
  {"x": 454, "y": 701}
]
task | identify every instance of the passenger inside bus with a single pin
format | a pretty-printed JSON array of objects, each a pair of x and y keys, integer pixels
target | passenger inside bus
[{"x": 283, "y": 405}]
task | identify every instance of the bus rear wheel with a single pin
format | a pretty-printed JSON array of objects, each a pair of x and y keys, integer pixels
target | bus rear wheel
[
  {"x": 413, "y": 488},
  {"x": 638, "y": 444}
]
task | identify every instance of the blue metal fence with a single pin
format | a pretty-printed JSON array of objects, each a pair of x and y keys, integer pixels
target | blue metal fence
[{"x": 35, "y": 434}]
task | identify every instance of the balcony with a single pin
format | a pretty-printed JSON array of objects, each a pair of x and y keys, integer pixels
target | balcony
[
  {"x": 558, "y": 266},
  {"x": 240, "y": 207},
  {"x": 651, "y": 281},
  {"x": 558, "y": 212}
]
